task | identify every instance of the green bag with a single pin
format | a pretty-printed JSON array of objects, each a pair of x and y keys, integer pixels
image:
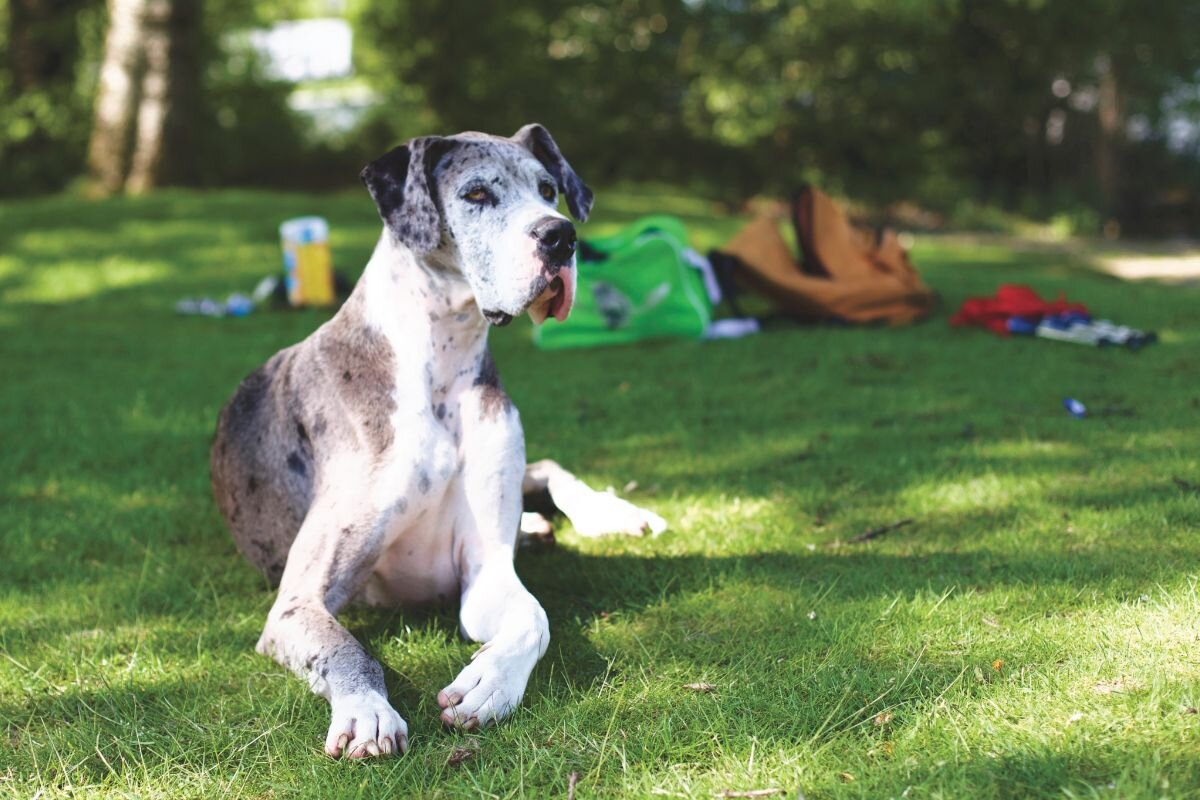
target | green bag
[{"x": 640, "y": 287}]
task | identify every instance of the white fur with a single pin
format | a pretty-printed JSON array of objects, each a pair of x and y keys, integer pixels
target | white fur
[{"x": 365, "y": 725}]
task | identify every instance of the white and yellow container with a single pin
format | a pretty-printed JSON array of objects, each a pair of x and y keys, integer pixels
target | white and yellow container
[{"x": 307, "y": 261}]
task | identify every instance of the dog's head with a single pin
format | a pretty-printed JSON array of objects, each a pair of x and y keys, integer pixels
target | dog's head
[{"x": 486, "y": 206}]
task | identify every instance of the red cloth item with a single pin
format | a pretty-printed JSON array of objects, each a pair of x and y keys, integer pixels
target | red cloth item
[{"x": 1011, "y": 300}]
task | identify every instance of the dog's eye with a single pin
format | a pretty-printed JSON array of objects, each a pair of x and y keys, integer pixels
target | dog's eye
[
  {"x": 546, "y": 190},
  {"x": 478, "y": 195}
]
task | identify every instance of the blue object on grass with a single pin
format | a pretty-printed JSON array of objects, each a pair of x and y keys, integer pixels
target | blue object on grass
[
  {"x": 1074, "y": 407},
  {"x": 1021, "y": 326},
  {"x": 238, "y": 305}
]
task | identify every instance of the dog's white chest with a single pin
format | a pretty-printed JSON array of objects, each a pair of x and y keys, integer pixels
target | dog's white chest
[{"x": 417, "y": 564}]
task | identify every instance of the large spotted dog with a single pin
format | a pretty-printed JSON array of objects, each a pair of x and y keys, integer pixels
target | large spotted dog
[{"x": 380, "y": 459}]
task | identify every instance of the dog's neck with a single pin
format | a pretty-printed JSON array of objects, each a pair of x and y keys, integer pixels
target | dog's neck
[{"x": 428, "y": 314}]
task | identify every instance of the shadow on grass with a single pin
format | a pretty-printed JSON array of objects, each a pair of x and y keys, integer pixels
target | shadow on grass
[
  {"x": 133, "y": 726},
  {"x": 578, "y": 589}
]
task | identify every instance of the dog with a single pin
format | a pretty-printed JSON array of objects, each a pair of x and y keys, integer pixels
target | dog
[{"x": 380, "y": 459}]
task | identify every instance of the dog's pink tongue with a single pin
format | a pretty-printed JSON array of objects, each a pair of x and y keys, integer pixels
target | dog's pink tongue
[{"x": 560, "y": 306}]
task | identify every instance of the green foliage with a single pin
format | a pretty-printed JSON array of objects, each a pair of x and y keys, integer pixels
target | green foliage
[
  {"x": 45, "y": 109},
  {"x": 923, "y": 99},
  {"x": 1033, "y": 633},
  {"x": 606, "y": 77},
  {"x": 248, "y": 134},
  {"x": 35, "y": 126},
  {"x": 240, "y": 129},
  {"x": 932, "y": 101}
]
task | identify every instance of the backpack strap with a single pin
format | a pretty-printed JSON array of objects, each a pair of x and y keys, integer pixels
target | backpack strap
[
  {"x": 803, "y": 223},
  {"x": 587, "y": 252},
  {"x": 724, "y": 266}
]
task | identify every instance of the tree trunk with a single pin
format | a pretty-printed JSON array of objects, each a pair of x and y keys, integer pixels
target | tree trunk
[
  {"x": 154, "y": 98},
  {"x": 117, "y": 96},
  {"x": 186, "y": 80},
  {"x": 149, "y": 83},
  {"x": 1108, "y": 144}
]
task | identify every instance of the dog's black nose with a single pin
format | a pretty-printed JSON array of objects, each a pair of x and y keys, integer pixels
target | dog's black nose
[{"x": 555, "y": 239}]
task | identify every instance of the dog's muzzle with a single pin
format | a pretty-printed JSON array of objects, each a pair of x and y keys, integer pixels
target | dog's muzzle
[
  {"x": 556, "y": 241},
  {"x": 553, "y": 290}
]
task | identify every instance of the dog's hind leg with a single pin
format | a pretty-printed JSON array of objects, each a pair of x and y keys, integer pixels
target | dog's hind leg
[
  {"x": 329, "y": 561},
  {"x": 592, "y": 513}
]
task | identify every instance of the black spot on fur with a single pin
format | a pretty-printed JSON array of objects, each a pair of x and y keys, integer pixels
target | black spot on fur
[
  {"x": 252, "y": 484},
  {"x": 441, "y": 411},
  {"x": 493, "y": 399},
  {"x": 291, "y": 612},
  {"x": 346, "y": 376},
  {"x": 296, "y": 463},
  {"x": 423, "y": 482}
]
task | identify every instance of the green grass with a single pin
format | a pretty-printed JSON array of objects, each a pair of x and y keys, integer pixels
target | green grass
[{"x": 1034, "y": 633}]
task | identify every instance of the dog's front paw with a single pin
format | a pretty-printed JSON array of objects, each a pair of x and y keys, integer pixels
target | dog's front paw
[
  {"x": 604, "y": 513},
  {"x": 486, "y": 691},
  {"x": 365, "y": 725}
]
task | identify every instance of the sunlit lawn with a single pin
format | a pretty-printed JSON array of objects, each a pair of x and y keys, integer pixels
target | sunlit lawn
[{"x": 1034, "y": 632}]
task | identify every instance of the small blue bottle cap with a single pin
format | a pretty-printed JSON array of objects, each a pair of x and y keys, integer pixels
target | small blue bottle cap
[{"x": 1074, "y": 407}]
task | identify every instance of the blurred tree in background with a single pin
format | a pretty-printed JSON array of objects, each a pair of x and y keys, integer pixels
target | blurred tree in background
[
  {"x": 608, "y": 78},
  {"x": 45, "y": 91},
  {"x": 213, "y": 117},
  {"x": 1039, "y": 106},
  {"x": 1020, "y": 103},
  {"x": 149, "y": 90}
]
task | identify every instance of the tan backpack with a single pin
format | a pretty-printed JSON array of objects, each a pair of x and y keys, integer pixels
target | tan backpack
[{"x": 846, "y": 272}]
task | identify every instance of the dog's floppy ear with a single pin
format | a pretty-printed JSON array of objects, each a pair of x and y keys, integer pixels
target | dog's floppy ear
[
  {"x": 537, "y": 140},
  {"x": 401, "y": 184}
]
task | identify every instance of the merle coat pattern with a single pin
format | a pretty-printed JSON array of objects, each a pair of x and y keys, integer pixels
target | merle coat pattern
[{"x": 380, "y": 459}]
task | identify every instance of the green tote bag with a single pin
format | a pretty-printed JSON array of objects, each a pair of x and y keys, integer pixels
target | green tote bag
[{"x": 637, "y": 284}]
